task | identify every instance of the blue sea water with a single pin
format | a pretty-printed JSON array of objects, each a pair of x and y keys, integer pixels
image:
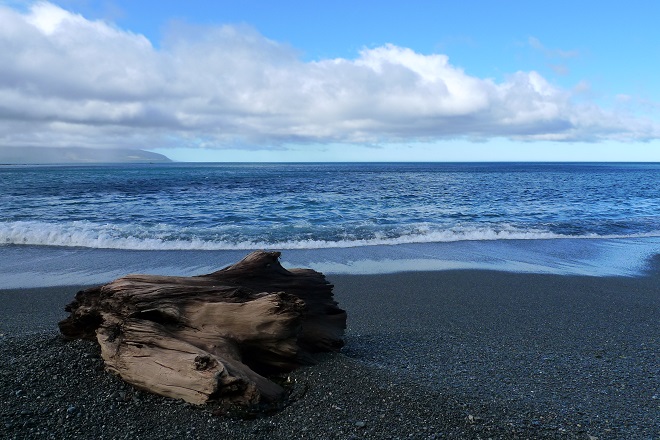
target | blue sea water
[{"x": 184, "y": 218}]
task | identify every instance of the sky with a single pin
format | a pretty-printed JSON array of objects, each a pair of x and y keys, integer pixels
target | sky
[{"x": 335, "y": 80}]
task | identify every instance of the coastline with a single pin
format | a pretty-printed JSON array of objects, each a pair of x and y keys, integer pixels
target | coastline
[
  {"x": 30, "y": 266},
  {"x": 449, "y": 354}
]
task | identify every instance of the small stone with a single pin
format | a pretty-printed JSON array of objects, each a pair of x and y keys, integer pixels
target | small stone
[
  {"x": 72, "y": 410},
  {"x": 360, "y": 424}
]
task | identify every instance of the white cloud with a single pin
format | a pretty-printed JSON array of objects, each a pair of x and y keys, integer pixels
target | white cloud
[{"x": 66, "y": 80}]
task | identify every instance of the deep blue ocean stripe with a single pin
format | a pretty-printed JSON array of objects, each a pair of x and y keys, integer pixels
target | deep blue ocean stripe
[{"x": 242, "y": 206}]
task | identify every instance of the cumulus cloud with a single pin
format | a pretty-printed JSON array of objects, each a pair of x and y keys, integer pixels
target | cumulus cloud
[{"x": 67, "y": 80}]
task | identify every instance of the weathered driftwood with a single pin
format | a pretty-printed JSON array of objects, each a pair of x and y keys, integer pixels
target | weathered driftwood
[{"x": 212, "y": 337}]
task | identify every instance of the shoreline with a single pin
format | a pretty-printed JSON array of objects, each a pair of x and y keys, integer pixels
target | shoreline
[
  {"x": 31, "y": 266},
  {"x": 449, "y": 354}
]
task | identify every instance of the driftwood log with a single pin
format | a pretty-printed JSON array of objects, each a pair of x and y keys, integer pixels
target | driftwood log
[{"x": 211, "y": 338}]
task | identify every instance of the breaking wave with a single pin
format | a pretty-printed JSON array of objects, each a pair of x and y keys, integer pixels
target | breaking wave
[{"x": 90, "y": 235}]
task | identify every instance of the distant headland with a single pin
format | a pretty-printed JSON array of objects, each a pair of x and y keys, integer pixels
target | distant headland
[{"x": 77, "y": 155}]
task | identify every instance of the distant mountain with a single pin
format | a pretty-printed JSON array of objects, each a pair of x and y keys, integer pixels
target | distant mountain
[{"x": 52, "y": 155}]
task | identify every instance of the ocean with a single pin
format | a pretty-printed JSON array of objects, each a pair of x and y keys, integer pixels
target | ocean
[{"x": 89, "y": 224}]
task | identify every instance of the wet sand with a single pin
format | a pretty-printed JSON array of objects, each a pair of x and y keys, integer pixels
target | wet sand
[{"x": 454, "y": 354}]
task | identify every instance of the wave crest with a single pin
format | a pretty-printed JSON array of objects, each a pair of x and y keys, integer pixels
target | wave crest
[{"x": 89, "y": 235}]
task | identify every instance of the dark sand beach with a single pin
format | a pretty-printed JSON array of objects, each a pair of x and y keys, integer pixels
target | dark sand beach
[{"x": 456, "y": 354}]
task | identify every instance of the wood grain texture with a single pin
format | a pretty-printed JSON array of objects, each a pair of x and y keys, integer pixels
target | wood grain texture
[{"x": 214, "y": 337}]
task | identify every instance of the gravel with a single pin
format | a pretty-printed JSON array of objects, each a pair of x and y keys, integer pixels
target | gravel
[
  {"x": 455, "y": 355},
  {"x": 57, "y": 389}
]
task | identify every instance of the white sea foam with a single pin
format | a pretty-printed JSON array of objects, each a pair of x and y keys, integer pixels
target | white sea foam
[{"x": 90, "y": 235}]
